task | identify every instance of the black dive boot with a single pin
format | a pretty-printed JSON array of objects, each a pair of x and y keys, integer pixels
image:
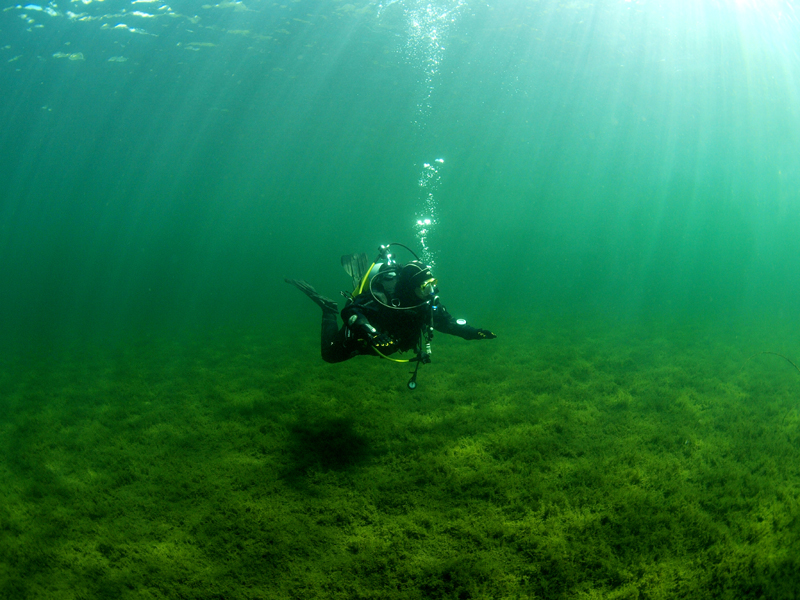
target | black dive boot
[{"x": 326, "y": 304}]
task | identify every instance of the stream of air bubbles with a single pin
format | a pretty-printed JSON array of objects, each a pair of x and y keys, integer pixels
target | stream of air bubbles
[{"x": 427, "y": 28}]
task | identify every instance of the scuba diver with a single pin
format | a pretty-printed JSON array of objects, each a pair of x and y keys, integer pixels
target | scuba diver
[{"x": 393, "y": 308}]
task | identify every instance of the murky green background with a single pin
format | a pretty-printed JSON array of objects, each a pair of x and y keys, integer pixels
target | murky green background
[{"x": 632, "y": 157}]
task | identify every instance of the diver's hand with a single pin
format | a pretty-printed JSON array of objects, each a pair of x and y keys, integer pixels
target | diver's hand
[
  {"x": 485, "y": 334},
  {"x": 382, "y": 342}
]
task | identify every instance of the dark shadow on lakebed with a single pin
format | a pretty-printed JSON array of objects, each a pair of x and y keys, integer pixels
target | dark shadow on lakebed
[{"x": 325, "y": 444}]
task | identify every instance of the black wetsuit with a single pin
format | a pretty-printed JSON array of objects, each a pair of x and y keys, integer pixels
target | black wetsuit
[{"x": 406, "y": 328}]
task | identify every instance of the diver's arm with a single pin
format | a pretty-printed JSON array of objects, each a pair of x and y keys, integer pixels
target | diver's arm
[
  {"x": 445, "y": 322},
  {"x": 363, "y": 330}
]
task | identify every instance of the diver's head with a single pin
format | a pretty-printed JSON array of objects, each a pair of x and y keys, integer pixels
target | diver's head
[{"x": 415, "y": 283}]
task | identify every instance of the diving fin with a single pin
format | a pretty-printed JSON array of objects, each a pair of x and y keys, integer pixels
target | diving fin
[
  {"x": 356, "y": 266},
  {"x": 326, "y": 304}
]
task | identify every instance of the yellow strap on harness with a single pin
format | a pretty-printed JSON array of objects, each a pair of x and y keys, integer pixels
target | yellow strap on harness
[{"x": 364, "y": 280}]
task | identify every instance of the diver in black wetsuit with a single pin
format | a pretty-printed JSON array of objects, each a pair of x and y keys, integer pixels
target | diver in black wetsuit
[{"x": 393, "y": 308}]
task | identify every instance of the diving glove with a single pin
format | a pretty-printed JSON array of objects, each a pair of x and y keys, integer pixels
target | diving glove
[
  {"x": 378, "y": 340},
  {"x": 483, "y": 334}
]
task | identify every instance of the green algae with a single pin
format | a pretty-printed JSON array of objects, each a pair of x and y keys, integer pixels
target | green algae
[{"x": 559, "y": 461}]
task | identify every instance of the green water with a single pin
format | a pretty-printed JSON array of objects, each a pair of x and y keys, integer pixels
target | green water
[{"x": 613, "y": 189}]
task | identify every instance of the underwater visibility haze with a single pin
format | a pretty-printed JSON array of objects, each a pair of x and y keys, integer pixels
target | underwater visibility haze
[{"x": 612, "y": 187}]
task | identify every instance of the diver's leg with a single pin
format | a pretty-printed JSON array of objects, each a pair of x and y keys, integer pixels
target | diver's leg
[
  {"x": 334, "y": 343},
  {"x": 334, "y": 340}
]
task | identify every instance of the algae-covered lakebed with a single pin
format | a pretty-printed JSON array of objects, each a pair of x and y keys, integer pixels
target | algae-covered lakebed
[{"x": 562, "y": 460}]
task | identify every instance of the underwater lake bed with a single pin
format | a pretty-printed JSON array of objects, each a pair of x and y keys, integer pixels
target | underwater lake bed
[{"x": 562, "y": 460}]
